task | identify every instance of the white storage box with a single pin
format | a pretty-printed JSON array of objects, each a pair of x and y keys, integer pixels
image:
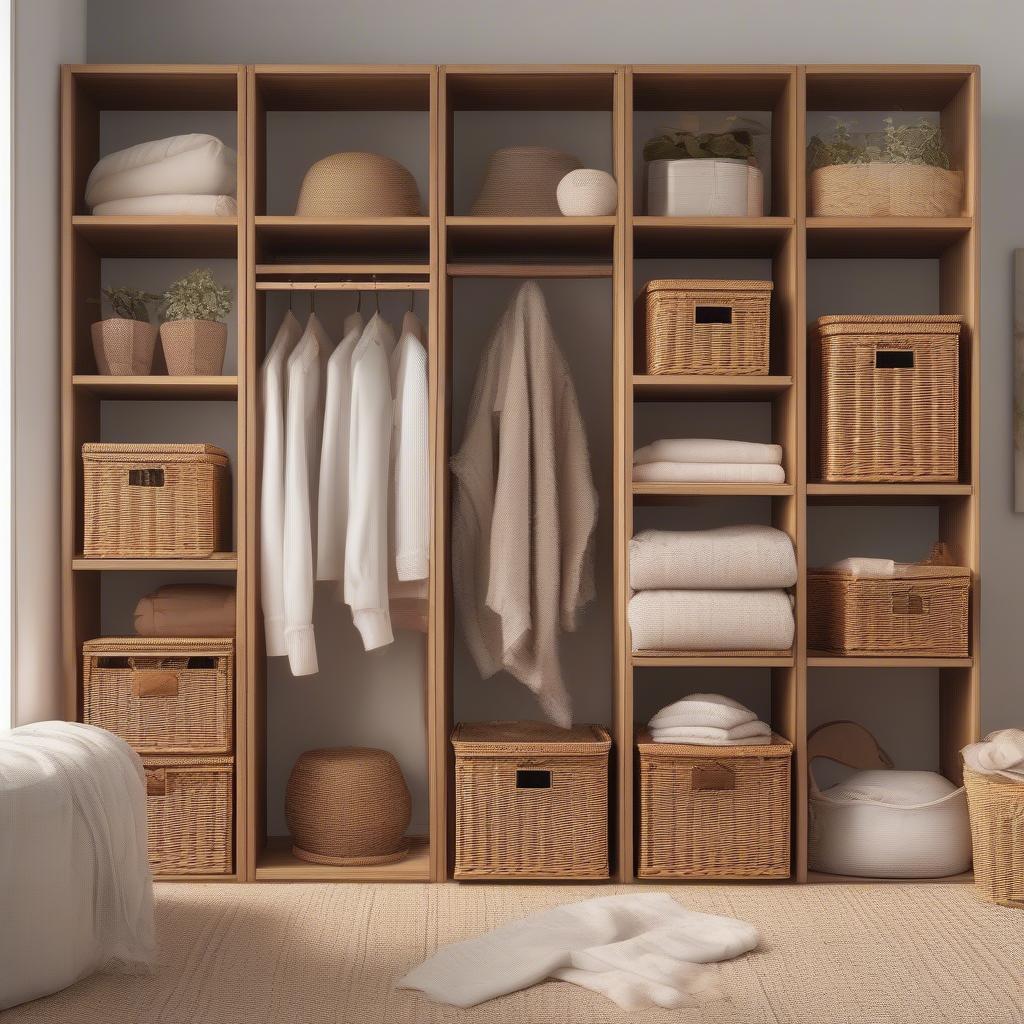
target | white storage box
[{"x": 704, "y": 188}]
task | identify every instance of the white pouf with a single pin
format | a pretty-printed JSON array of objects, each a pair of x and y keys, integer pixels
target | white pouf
[
  {"x": 587, "y": 192},
  {"x": 704, "y": 188}
]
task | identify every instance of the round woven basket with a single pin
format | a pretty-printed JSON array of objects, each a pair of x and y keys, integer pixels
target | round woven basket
[
  {"x": 124, "y": 348},
  {"x": 194, "y": 347},
  {"x": 348, "y": 805},
  {"x": 522, "y": 181},
  {"x": 358, "y": 185},
  {"x": 880, "y": 189}
]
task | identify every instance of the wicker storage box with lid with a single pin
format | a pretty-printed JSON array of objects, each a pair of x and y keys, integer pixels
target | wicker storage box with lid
[
  {"x": 190, "y": 809},
  {"x": 531, "y": 800},
  {"x": 714, "y": 811},
  {"x": 705, "y": 327},
  {"x": 919, "y": 610},
  {"x": 163, "y": 696},
  {"x": 887, "y": 403},
  {"x": 155, "y": 500}
]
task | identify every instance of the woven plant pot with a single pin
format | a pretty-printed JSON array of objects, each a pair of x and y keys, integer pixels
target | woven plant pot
[
  {"x": 348, "y": 805},
  {"x": 358, "y": 185},
  {"x": 522, "y": 181},
  {"x": 194, "y": 347},
  {"x": 124, "y": 348},
  {"x": 885, "y": 190}
]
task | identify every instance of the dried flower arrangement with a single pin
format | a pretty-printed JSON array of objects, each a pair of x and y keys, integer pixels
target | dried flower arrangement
[{"x": 919, "y": 143}]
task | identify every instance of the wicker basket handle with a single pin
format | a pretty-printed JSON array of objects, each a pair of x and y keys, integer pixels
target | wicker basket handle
[
  {"x": 715, "y": 777},
  {"x": 846, "y": 743},
  {"x": 156, "y": 782},
  {"x": 155, "y": 683}
]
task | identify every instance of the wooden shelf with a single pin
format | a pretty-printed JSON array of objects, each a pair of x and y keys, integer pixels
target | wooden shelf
[
  {"x": 530, "y": 87},
  {"x": 198, "y": 237},
  {"x": 888, "y": 237},
  {"x": 732, "y": 659},
  {"x": 332, "y": 87},
  {"x": 667, "y": 494},
  {"x": 397, "y": 238},
  {"x": 885, "y": 494},
  {"x": 544, "y": 239},
  {"x": 676, "y": 387},
  {"x": 158, "y": 86},
  {"x": 708, "y": 237},
  {"x": 277, "y": 863},
  {"x": 156, "y": 388},
  {"x": 226, "y": 561},
  {"x": 821, "y": 659},
  {"x": 885, "y": 86}
]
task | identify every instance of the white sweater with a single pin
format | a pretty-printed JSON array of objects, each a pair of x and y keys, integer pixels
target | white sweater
[
  {"x": 302, "y": 432},
  {"x": 273, "y": 387},
  {"x": 366, "y": 541},
  {"x": 332, "y": 517}
]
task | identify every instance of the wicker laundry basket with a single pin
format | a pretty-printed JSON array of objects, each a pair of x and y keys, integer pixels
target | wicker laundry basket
[
  {"x": 886, "y": 407},
  {"x": 155, "y": 500},
  {"x": 348, "y": 805},
  {"x": 190, "y": 808},
  {"x": 714, "y": 811},
  {"x": 124, "y": 348},
  {"x": 531, "y": 800},
  {"x": 705, "y": 327},
  {"x": 163, "y": 696},
  {"x": 358, "y": 185},
  {"x": 522, "y": 181},
  {"x": 997, "y": 833},
  {"x": 880, "y": 189}
]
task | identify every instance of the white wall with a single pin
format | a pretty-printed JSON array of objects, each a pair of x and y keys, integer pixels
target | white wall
[{"x": 48, "y": 33}]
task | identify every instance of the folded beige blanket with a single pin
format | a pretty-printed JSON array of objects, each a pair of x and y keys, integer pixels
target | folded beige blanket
[
  {"x": 709, "y": 472},
  {"x": 187, "y": 609},
  {"x": 725, "y": 558},
  {"x": 700, "y": 449},
  {"x": 711, "y": 620}
]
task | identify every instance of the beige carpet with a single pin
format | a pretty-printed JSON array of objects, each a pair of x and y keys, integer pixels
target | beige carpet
[{"x": 322, "y": 954}]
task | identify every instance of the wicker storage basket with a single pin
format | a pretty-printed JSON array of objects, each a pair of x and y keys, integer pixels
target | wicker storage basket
[
  {"x": 163, "y": 696},
  {"x": 887, "y": 404},
  {"x": 155, "y": 500},
  {"x": 920, "y": 610},
  {"x": 880, "y": 189},
  {"x": 997, "y": 834},
  {"x": 189, "y": 803},
  {"x": 522, "y": 181},
  {"x": 531, "y": 800},
  {"x": 714, "y": 812},
  {"x": 712, "y": 327}
]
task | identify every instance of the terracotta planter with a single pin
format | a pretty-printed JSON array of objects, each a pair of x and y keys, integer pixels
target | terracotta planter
[
  {"x": 124, "y": 348},
  {"x": 194, "y": 348},
  {"x": 885, "y": 190}
]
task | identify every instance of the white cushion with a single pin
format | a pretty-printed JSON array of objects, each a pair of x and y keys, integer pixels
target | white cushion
[
  {"x": 897, "y": 789},
  {"x": 168, "y": 206}
]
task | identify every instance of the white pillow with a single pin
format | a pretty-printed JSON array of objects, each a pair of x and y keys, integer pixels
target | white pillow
[
  {"x": 168, "y": 205},
  {"x": 895, "y": 788},
  {"x": 181, "y": 164}
]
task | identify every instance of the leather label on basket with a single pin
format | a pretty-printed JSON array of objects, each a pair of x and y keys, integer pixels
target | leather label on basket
[
  {"x": 145, "y": 477},
  {"x": 532, "y": 778},
  {"x": 712, "y": 777},
  {"x": 909, "y": 603},
  {"x": 156, "y": 782},
  {"x": 712, "y": 314},
  {"x": 154, "y": 682},
  {"x": 894, "y": 359}
]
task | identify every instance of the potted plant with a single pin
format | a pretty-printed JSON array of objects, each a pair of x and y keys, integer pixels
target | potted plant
[
  {"x": 709, "y": 173},
  {"x": 901, "y": 171},
  {"x": 125, "y": 342},
  {"x": 193, "y": 334}
]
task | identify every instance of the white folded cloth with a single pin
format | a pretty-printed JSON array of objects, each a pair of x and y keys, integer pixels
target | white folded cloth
[
  {"x": 639, "y": 950},
  {"x": 698, "y": 449},
  {"x": 168, "y": 206},
  {"x": 708, "y": 472},
  {"x": 711, "y": 620},
  {"x": 999, "y": 753},
  {"x": 749, "y": 557},
  {"x": 749, "y": 732},
  {"x": 703, "y": 709},
  {"x": 865, "y": 566}
]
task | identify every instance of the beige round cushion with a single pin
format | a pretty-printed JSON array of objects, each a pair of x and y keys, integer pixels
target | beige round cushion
[
  {"x": 358, "y": 185},
  {"x": 522, "y": 181}
]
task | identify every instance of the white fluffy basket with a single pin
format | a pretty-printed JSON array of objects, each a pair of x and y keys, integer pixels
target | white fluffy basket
[{"x": 704, "y": 188}]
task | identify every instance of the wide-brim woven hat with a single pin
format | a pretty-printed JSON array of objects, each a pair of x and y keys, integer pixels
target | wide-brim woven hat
[
  {"x": 358, "y": 185},
  {"x": 522, "y": 181}
]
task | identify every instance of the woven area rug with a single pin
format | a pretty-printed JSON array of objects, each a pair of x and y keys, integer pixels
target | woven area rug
[{"x": 329, "y": 954}]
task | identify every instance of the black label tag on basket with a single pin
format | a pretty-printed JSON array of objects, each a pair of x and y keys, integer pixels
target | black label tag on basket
[
  {"x": 712, "y": 315},
  {"x": 532, "y": 778},
  {"x": 145, "y": 478},
  {"x": 894, "y": 359}
]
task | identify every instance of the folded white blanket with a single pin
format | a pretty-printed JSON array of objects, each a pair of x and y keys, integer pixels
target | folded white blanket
[
  {"x": 751, "y": 557},
  {"x": 749, "y": 732},
  {"x": 708, "y": 472},
  {"x": 711, "y": 620},
  {"x": 168, "y": 206},
  {"x": 698, "y": 449},
  {"x": 865, "y": 566},
  {"x": 999, "y": 753},
  {"x": 639, "y": 950},
  {"x": 182, "y": 164},
  {"x": 708, "y": 709}
]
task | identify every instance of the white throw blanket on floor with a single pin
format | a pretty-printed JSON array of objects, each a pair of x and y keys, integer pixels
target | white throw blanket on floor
[
  {"x": 76, "y": 893},
  {"x": 999, "y": 753},
  {"x": 712, "y": 450},
  {"x": 639, "y": 950},
  {"x": 708, "y": 472}
]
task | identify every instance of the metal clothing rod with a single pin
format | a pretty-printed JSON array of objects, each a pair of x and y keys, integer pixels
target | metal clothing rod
[{"x": 342, "y": 286}]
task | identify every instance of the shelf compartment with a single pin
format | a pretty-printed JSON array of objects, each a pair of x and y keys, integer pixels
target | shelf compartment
[
  {"x": 675, "y": 387},
  {"x": 711, "y": 659},
  {"x": 708, "y": 237},
  {"x": 280, "y": 238},
  {"x": 158, "y": 87},
  {"x": 667, "y": 494},
  {"x": 530, "y": 87},
  {"x": 331, "y": 88},
  {"x": 277, "y": 863},
  {"x": 222, "y": 561},
  {"x": 187, "y": 236},
  {"x": 884, "y": 237},
  {"x": 157, "y": 388},
  {"x": 822, "y": 659},
  {"x": 546, "y": 239}
]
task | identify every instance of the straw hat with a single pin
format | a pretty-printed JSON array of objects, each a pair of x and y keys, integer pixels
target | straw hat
[
  {"x": 521, "y": 181},
  {"x": 358, "y": 185}
]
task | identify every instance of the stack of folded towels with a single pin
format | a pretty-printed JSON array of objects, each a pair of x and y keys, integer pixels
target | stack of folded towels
[
  {"x": 999, "y": 753},
  {"x": 704, "y": 460},
  {"x": 710, "y": 720},
  {"x": 712, "y": 590},
  {"x": 184, "y": 174}
]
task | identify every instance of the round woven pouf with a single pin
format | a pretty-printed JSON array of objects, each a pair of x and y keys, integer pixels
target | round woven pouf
[
  {"x": 587, "y": 192},
  {"x": 348, "y": 805},
  {"x": 521, "y": 181},
  {"x": 358, "y": 185}
]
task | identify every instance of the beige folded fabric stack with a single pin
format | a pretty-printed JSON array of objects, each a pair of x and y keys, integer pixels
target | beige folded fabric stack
[
  {"x": 708, "y": 460},
  {"x": 185, "y": 610}
]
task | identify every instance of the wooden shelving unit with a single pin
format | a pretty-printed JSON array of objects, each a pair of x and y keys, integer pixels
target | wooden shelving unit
[{"x": 431, "y": 253}]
